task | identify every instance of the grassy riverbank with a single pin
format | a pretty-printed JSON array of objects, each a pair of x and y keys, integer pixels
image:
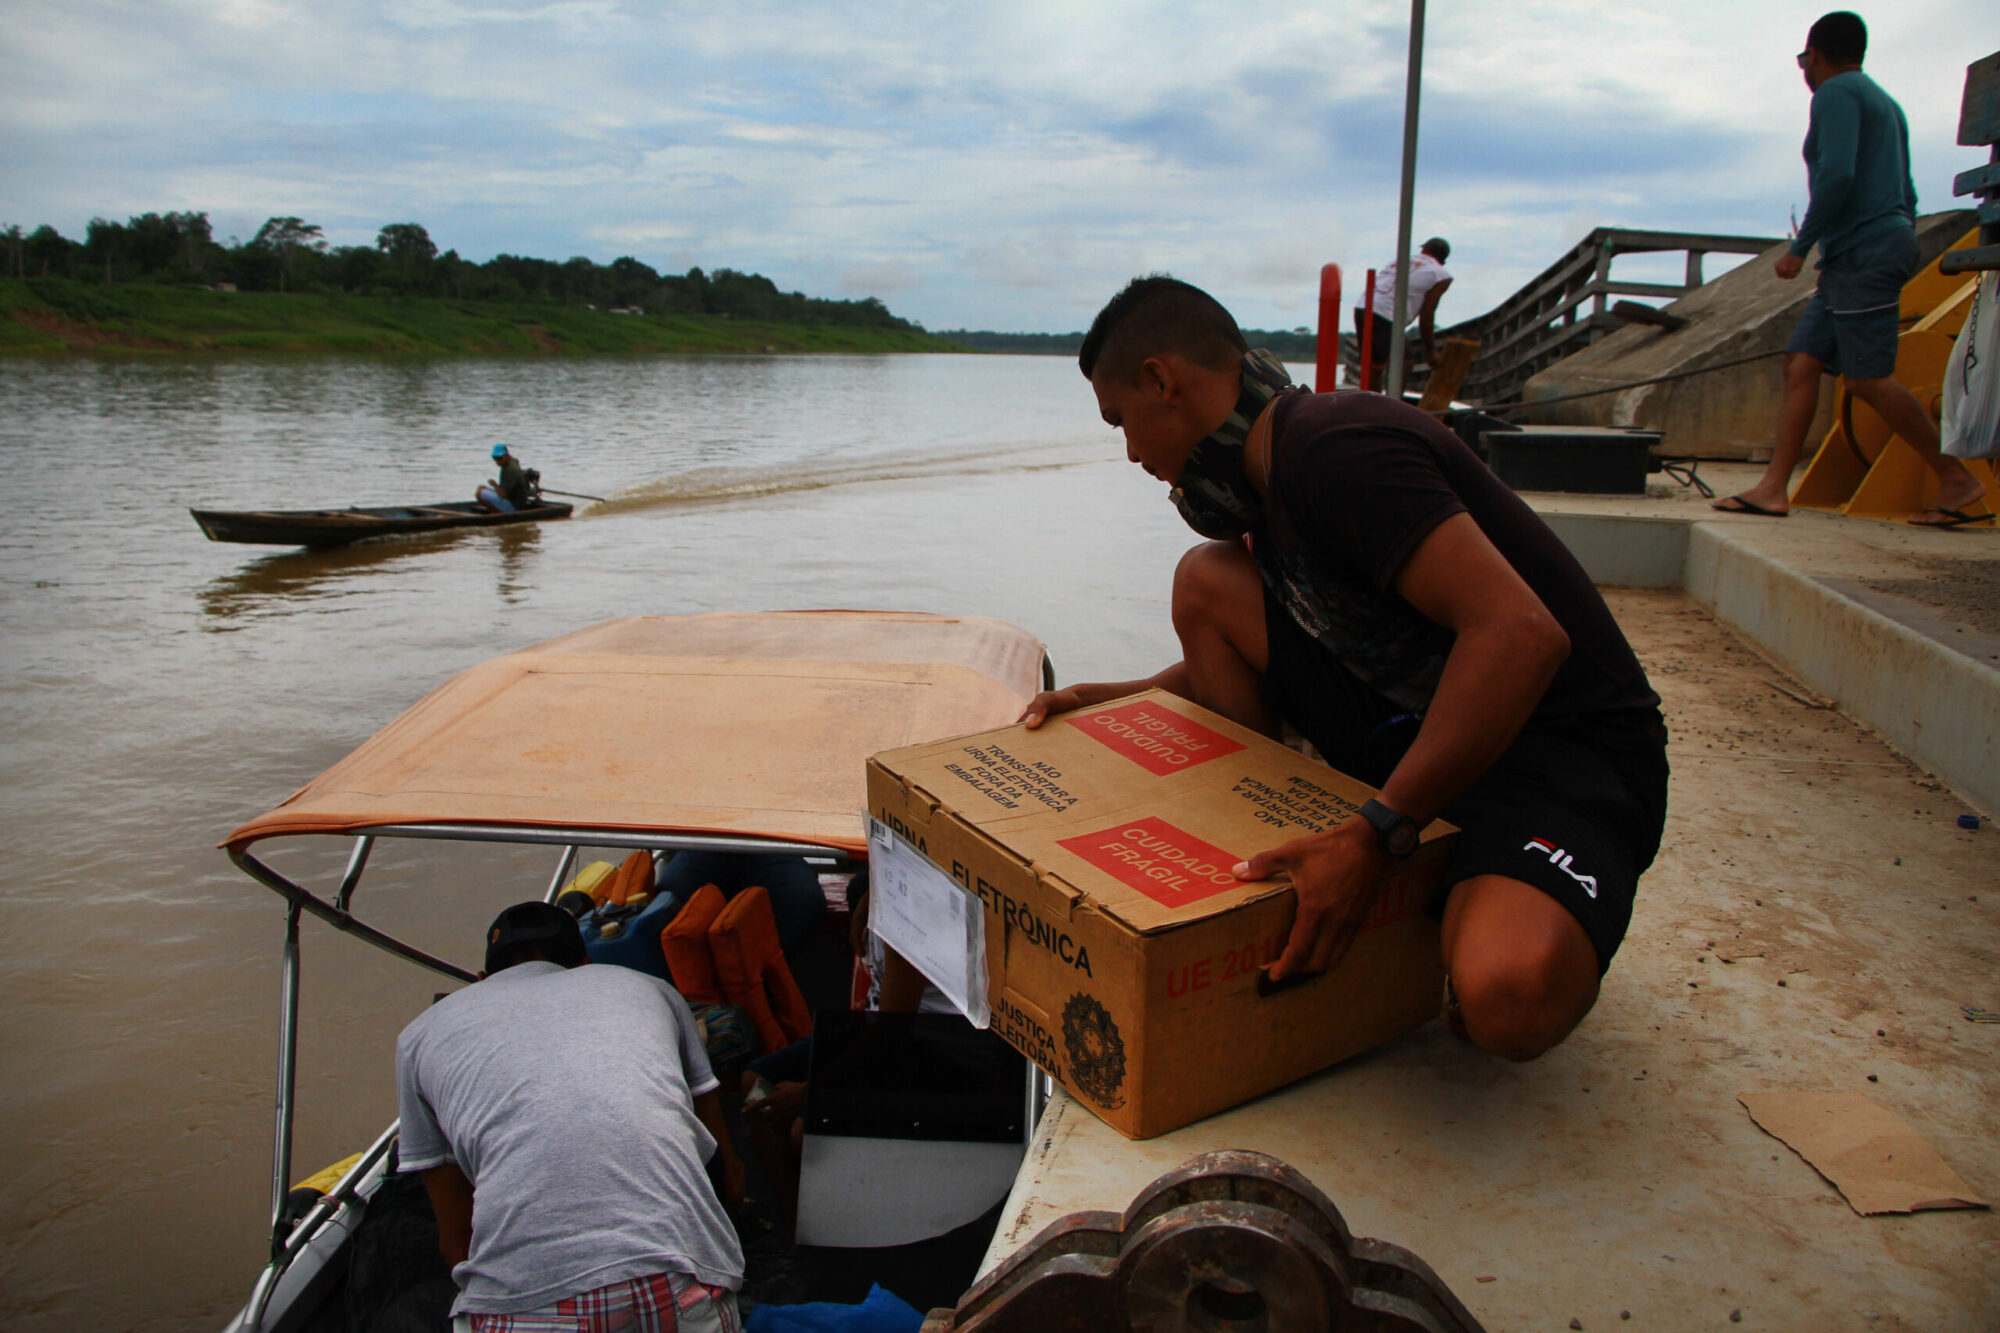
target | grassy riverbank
[{"x": 53, "y": 316}]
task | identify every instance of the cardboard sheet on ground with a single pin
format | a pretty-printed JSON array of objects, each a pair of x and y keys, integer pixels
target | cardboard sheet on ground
[{"x": 1878, "y": 1163}]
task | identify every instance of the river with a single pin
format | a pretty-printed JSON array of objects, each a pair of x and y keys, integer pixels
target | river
[{"x": 157, "y": 689}]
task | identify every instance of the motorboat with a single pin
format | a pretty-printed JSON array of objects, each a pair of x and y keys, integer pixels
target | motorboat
[
  {"x": 321, "y": 528},
  {"x": 719, "y": 732}
]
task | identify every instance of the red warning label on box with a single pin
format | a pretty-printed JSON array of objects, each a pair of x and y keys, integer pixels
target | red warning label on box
[
  {"x": 1169, "y": 865},
  {"x": 1157, "y": 739}
]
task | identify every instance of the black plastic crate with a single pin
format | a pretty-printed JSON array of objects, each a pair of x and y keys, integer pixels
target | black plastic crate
[{"x": 1595, "y": 460}]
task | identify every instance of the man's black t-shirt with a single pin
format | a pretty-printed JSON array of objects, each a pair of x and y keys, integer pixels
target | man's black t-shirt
[{"x": 1357, "y": 482}]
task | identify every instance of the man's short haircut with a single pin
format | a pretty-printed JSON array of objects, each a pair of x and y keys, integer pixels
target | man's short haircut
[
  {"x": 1438, "y": 248},
  {"x": 1157, "y": 314},
  {"x": 532, "y": 930},
  {"x": 1840, "y": 36}
]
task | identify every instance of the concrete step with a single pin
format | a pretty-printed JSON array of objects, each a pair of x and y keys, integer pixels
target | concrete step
[{"x": 1826, "y": 598}]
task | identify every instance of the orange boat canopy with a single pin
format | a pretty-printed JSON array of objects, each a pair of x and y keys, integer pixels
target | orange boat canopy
[{"x": 744, "y": 724}]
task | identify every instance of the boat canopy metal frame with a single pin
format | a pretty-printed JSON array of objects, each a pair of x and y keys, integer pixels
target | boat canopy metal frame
[{"x": 288, "y": 1242}]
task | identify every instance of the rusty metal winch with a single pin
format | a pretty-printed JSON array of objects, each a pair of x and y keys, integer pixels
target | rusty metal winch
[{"x": 1232, "y": 1242}]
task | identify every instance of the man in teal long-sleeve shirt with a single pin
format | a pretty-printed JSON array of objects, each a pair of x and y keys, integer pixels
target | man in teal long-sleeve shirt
[{"x": 1862, "y": 214}]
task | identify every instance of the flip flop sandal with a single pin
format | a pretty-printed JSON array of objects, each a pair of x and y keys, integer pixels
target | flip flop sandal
[
  {"x": 1953, "y": 518},
  {"x": 1736, "y": 504}
]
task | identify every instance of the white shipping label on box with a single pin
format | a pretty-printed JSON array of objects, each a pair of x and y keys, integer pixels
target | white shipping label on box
[{"x": 921, "y": 913}]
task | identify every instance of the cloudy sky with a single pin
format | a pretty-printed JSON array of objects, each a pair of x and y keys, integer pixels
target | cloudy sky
[{"x": 1003, "y": 164}]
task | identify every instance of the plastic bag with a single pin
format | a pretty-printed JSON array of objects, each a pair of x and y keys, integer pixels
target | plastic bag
[
  {"x": 882, "y": 1312},
  {"x": 1971, "y": 426}
]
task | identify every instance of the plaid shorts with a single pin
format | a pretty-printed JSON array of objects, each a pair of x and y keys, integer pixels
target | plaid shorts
[{"x": 662, "y": 1303}]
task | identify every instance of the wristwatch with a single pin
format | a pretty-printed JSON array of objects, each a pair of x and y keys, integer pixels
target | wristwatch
[{"x": 1397, "y": 833}]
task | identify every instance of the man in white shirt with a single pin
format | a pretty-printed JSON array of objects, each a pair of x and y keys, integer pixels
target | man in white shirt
[
  {"x": 561, "y": 1116},
  {"x": 1428, "y": 280}
]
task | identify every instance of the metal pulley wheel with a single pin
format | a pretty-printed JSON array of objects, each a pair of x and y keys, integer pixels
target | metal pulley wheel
[{"x": 1233, "y": 1242}]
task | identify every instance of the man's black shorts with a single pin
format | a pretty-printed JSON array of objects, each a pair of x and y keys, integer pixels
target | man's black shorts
[{"x": 1575, "y": 810}]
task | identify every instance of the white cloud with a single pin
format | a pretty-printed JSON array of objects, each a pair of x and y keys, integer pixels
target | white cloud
[
  {"x": 985, "y": 165},
  {"x": 882, "y": 279}
]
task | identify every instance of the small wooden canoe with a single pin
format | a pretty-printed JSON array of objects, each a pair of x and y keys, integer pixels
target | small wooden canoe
[{"x": 338, "y": 527}]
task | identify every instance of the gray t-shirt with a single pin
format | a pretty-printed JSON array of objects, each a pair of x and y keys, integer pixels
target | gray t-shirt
[{"x": 566, "y": 1097}]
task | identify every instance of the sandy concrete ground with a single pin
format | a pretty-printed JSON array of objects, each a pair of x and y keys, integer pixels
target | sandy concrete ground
[
  {"x": 1955, "y": 573},
  {"x": 1815, "y": 921}
]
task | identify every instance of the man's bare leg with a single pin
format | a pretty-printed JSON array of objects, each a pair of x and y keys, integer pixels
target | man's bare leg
[
  {"x": 1219, "y": 615},
  {"x": 1795, "y": 414},
  {"x": 1896, "y": 405},
  {"x": 1524, "y": 972}
]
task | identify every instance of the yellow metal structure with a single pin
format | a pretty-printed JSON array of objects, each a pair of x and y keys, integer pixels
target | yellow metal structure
[{"x": 1875, "y": 473}]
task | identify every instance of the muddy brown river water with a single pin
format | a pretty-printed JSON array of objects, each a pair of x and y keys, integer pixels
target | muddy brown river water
[{"x": 157, "y": 689}]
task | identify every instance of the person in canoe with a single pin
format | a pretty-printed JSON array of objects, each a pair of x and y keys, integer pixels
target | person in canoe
[{"x": 518, "y": 488}]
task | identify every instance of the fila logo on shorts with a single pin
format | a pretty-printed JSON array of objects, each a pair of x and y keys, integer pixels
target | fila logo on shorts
[{"x": 1561, "y": 860}]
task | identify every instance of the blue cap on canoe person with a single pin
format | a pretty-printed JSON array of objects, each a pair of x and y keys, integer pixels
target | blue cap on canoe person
[{"x": 518, "y": 487}]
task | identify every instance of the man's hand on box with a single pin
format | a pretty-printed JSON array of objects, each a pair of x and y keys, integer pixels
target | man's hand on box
[
  {"x": 1173, "y": 679},
  {"x": 1337, "y": 876},
  {"x": 1052, "y": 701}
]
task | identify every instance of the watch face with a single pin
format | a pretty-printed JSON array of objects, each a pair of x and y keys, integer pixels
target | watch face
[{"x": 1402, "y": 838}]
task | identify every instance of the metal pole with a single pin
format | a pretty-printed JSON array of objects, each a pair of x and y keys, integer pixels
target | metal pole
[
  {"x": 561, "y": 876},
  {"x": 1326, "y": 355},
  {"x": 1368, "y": 333},
  {"x": 1413, "y": 83},
  {"x": 356, "y": 863},
  {"x": 344, "y": 921},
  {"x": 288, "y": 1054},
  {"x": 1040, "y": 1088}
]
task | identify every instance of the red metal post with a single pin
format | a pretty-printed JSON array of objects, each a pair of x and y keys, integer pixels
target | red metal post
[
  {"x": 1368, "y": 333},
  {"x": 1326, "y": 370}
]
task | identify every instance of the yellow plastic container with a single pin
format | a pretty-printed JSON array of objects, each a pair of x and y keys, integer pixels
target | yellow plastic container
[
  {"x": 594, "y": 879},
  {"x": 328, "y": 1178}
]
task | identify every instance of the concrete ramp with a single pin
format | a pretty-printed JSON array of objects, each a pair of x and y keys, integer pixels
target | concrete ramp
[{"x": 1726, "y": 413}]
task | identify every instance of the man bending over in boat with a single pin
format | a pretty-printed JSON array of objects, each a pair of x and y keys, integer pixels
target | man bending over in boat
[
  {"x": 518, "y": 487},
  {"x": 1368, "y": 581},
  {"x": 561, "y": 1115}
]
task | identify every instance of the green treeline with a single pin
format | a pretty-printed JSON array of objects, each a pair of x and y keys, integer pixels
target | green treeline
[
  {"x": 291, "y": 256},
  {"x": 1019, "y": 344},
  {"x": 63, "y": 315},
  {"x": 161, "y": 281}
]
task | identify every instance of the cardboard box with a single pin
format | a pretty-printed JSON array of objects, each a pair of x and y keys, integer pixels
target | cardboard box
[{"x": 1120, "y": 953}]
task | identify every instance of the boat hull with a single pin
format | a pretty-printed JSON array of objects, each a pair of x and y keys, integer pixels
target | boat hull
[{"x": 340, "y": 527}]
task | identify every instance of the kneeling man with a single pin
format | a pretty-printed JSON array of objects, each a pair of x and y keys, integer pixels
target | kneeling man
[
  {"x": 561, "y": 1115},
  {"x": 1368, "y": 581}
]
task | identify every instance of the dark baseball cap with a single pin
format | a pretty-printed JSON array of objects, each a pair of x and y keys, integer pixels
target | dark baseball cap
[
  {"x": 538, "y": 923},
  {"x": 1439, "y": 246}
]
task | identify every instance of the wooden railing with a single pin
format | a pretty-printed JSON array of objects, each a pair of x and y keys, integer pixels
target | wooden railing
[{"x": 1547, "y": 320}]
